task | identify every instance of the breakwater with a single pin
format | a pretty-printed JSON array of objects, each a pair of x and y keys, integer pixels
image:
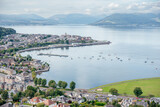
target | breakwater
[
  {"x": 66, "y": 45},
  {"x": 53, "y": 55}
]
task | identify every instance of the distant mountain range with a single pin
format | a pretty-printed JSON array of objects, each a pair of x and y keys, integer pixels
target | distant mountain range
[
  {"x": 132, "y": 20},
  {"x": 76, "y": 18},
  {"x": 32, "y": 19},
  {"x": 114, "y": 20},
  {"x": 24, "y": 19}
]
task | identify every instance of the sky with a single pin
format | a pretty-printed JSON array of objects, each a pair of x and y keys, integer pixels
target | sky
[{"x": 47, "y": 8}]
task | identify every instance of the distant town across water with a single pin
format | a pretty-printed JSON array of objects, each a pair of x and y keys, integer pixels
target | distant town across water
[{"x": 133, "y": 54}]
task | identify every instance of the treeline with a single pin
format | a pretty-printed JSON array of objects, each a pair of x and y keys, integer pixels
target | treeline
[
  {"x": 53, "y": 84},
  {"x": 6, "y": 31}
]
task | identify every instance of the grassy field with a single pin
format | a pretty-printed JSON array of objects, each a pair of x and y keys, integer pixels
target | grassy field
[{"x": 150, "y": 86}]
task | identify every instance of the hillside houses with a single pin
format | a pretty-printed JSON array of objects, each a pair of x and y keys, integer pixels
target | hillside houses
[
  {"x": 7, "y": 71},
  {"x": 23, "y": 40},
  {"x": 47, "y": 102}
]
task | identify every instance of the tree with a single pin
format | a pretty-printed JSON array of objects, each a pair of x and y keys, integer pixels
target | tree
[
  {"x": 16, "y": 98},
  {"x": 138, "y": 91},
  {"x": 75, "y": 104},
  {"x": 60, "y": 84},
  {"x": 34, "y": 74},
  {"x": 12, "y": 94},
  {"x": 43, "y": 82},
  {"x": 29, "y": 58},
  {"x": 2, "y": 102},
  {"x": 35, "y": 81},
  {"x": 72, "y": 85},
  {"x": 52, "y": 83},
  {"x": 19, "y": 94},
  {"x": 4, "y": 95},
  {"x": 30, "y": 93},
  {"x": 39, "y": 81},
  {"x": 67, "y": 41},
  {"x": 113, "y": 91},
  {"x": 58, "y": 92},
  {"x": 64, "y": 84}
]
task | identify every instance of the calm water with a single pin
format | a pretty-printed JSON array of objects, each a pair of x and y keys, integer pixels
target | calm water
[{"x": 97, "y": 65}]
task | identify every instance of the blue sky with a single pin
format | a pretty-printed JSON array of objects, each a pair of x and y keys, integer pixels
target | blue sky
[{"x": 48, "y": 8}]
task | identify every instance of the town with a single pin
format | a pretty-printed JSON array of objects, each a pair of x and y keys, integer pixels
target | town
[{"x": 20, "y": 86}]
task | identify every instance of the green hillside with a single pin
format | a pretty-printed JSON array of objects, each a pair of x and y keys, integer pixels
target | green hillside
[
  {"x": 6, "y": 31},
  {"x": 150, "y": 86}
]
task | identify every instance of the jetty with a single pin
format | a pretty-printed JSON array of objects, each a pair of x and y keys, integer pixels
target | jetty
[{"x": 53, "y": 55}]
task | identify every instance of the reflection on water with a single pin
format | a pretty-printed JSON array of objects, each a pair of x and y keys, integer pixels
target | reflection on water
[{"x": 133, "y": 54}]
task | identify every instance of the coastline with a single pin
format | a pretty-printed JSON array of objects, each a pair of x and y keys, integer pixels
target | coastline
[{"x": 66, "y": 45}]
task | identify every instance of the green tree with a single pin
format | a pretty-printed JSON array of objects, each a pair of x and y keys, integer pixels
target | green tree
[
  {"x": 2, "y": 102},
  {"x": 67, "y": 41},
  {"x": 34, "y": 74},
  {"x": 43, "y": 82},
  {"x": 58, "y": 92},
  {"x": 137, "y": 91},
  {"x": 52, "y": 83},
  {"x": 30, "y": 93},
  {"x": 60, "y": 84},
  {"x": 31, "y": 88},
  {"x": 113, "y": 91},
  {"x": 72, "y": 85},
  {"x": 4, "y": 95},
  {"x": 29, "y": 58},
  {"x": 64, "y": 84},
  {"x": 39, "y": 81},
  {"x": 16, "y": 98},
  {"x": 92, "y": 102},
  {"x": 75, "y": 104},
  {"x": 11, "y": 94},
  {"x": 35, "y": 81}
]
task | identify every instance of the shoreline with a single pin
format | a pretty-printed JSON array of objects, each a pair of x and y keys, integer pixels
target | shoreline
[{"x": 66, "y": 45}]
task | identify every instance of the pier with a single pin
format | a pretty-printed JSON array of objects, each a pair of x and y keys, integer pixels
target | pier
[{"x": 53, "y": 55}]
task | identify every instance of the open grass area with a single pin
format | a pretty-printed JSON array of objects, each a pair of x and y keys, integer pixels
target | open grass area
[{"x": 149, "y": 86}]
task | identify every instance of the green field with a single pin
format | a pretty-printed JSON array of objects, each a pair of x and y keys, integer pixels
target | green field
[{"x": 149, "y": 86}]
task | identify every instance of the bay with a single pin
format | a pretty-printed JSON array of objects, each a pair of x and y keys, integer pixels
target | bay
[{"x": 91, "y": 66}]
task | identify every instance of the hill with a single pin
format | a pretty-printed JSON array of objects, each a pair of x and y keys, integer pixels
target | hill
[
  {"x": 33, "y": 19},
  {"x": 24, "y": 19},
  {"x": 76, "y": 18},
  {"x": 150, "y": 86},
  {"x": 6, "y": 31},
  {"x": 133, "y": 20}
]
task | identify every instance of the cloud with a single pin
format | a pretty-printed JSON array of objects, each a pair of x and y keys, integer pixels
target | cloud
[
  {"x": 149, "y": 7},
  {"x": 87, "y": 11},
  {"x": 51, "y": 7},
  {"x": 113, "y": 5}
]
